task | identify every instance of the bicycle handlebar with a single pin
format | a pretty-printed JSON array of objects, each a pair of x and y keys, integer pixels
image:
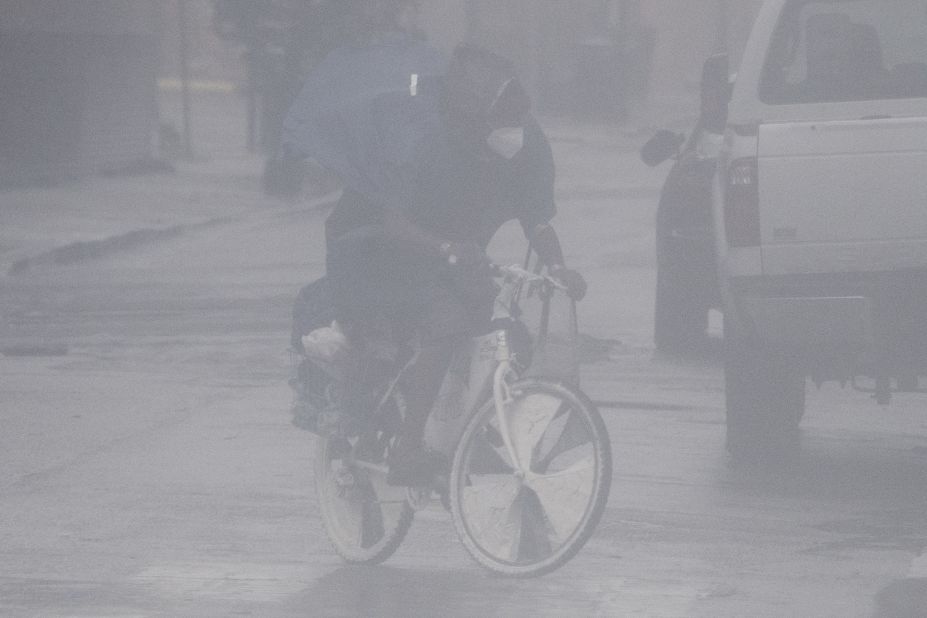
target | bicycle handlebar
[{"x": 517, "y": 272}]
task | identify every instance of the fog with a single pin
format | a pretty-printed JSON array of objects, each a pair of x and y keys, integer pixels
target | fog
[{"x": 728, "y": 421}]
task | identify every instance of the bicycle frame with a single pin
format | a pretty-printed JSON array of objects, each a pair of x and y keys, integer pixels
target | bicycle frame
[
  {"x": 481, "y": 371},
  {"x": 529, "y": 458},
  {"x": 481, "y": 368}
]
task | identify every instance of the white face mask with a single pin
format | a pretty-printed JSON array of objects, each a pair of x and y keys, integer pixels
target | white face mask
[{"x": 507, "y": 141}]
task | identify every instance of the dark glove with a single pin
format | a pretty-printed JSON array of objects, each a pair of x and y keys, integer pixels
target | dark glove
[
  {"x": 575, "y": 283},
  {"x": 464, "y": 254}
]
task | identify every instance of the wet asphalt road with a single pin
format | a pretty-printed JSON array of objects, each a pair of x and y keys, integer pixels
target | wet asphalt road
[{"x": 152, "y": 470}]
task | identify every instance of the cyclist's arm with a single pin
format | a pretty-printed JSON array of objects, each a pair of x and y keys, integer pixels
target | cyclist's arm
[
  {"x": 535, "y": 175},
  {"x": 544, "y": 240}
]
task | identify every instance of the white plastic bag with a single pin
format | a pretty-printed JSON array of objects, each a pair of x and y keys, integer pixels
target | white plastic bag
[{"x": 327, "y": 346}]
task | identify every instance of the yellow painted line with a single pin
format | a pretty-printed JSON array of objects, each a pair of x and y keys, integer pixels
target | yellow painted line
[{"x": 170, "y": 84}]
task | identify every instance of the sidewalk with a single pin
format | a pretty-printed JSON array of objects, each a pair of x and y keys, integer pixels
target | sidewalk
[{"x": 222, "y": 182}]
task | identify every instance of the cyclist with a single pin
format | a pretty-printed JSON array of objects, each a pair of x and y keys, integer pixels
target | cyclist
[{"x": 432, "y": 169}]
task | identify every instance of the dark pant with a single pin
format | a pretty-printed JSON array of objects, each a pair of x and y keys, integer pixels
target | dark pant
[
  {"x": 391, "y": 297},
  {"x": 379, "y": 289}
]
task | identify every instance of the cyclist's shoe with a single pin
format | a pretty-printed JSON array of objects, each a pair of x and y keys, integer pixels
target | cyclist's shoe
[{"x": 414, "y": 468}]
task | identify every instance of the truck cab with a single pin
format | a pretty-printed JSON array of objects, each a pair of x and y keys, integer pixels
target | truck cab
[{"x": 820, "y": 212}]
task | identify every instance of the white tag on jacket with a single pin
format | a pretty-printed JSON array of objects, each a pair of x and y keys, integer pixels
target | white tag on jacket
[{"x": 507, "y": 141}]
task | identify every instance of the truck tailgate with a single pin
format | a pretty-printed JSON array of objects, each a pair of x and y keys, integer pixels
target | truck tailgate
[{"x": 843, "y": 196}]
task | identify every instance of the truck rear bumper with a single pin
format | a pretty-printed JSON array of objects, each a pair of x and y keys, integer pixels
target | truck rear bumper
[
  {"x": 869, "y": 320},
  {"x": 812, "y": 323}
]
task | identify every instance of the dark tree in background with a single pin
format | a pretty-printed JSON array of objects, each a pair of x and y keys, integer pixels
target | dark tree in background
[{"x": 283, "y": 39}]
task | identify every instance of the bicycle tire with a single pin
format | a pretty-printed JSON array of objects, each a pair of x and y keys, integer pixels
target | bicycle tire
[
  {"x": 366, "y": 520},
  {"x": 530, "y": 526}
]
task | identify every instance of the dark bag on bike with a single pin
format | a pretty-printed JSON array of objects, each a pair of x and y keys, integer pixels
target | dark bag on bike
[{"x": 314, "y": 308}]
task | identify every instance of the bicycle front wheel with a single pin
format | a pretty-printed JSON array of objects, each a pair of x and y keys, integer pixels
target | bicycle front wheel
[{"x": 529, "y": 517}]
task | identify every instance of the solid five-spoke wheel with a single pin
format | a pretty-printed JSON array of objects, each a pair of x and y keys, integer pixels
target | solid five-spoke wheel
[{"x": 526, "y": 510}]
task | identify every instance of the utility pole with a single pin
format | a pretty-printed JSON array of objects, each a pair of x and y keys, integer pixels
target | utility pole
[
  {"x": 538, "y": 51},
  {"x": 185, "y": 77},
  {"x": 724, "y": 19},
  {"x": 473, "y": 19},
  {"x": 252, "y": 95}
]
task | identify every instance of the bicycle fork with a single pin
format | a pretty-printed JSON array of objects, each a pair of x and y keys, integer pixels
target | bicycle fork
[{"x": 502, "y": 399}]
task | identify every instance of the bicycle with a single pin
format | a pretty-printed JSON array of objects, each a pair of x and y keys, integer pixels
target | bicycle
[{"x": 530, "y": 460}]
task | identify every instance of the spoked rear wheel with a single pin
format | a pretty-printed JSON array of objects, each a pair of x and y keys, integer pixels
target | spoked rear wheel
[
  {"x": 366, "y": 519},
  {"x": 527, "y": 518}
]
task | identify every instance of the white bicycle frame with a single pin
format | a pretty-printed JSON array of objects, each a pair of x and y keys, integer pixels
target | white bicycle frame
[{"x": 490, "y": 363}]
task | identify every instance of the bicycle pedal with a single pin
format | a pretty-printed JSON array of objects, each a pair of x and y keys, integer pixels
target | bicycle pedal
[{"x": 418, "y": 497}]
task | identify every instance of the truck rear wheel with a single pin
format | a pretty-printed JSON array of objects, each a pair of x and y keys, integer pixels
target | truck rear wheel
[{"x": 765, "y": 397}]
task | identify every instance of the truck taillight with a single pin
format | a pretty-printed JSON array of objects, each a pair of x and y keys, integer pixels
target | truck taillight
[{"x": 742, "y": 204}]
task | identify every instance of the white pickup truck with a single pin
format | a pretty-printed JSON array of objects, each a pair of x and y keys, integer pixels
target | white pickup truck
[{"x": 820, "y": 212}]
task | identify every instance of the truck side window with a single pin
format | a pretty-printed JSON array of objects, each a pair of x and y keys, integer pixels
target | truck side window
[{"x": 848, "y": 50}]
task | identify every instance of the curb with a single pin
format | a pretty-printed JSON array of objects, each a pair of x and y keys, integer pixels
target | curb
[{"x": 93, "y": 249}]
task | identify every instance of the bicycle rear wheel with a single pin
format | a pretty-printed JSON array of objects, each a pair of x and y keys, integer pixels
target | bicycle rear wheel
[
  {"x": 530, "y": 519},
  {"x": 366, "y": 520}
]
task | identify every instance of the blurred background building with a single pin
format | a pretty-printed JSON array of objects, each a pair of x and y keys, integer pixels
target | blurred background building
[
  {"x": 603, "y": 57},
  {"x": 600, "y": 60},
  {"x": 83, "y": 82},
  {"x": 77, "y": 87}
]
